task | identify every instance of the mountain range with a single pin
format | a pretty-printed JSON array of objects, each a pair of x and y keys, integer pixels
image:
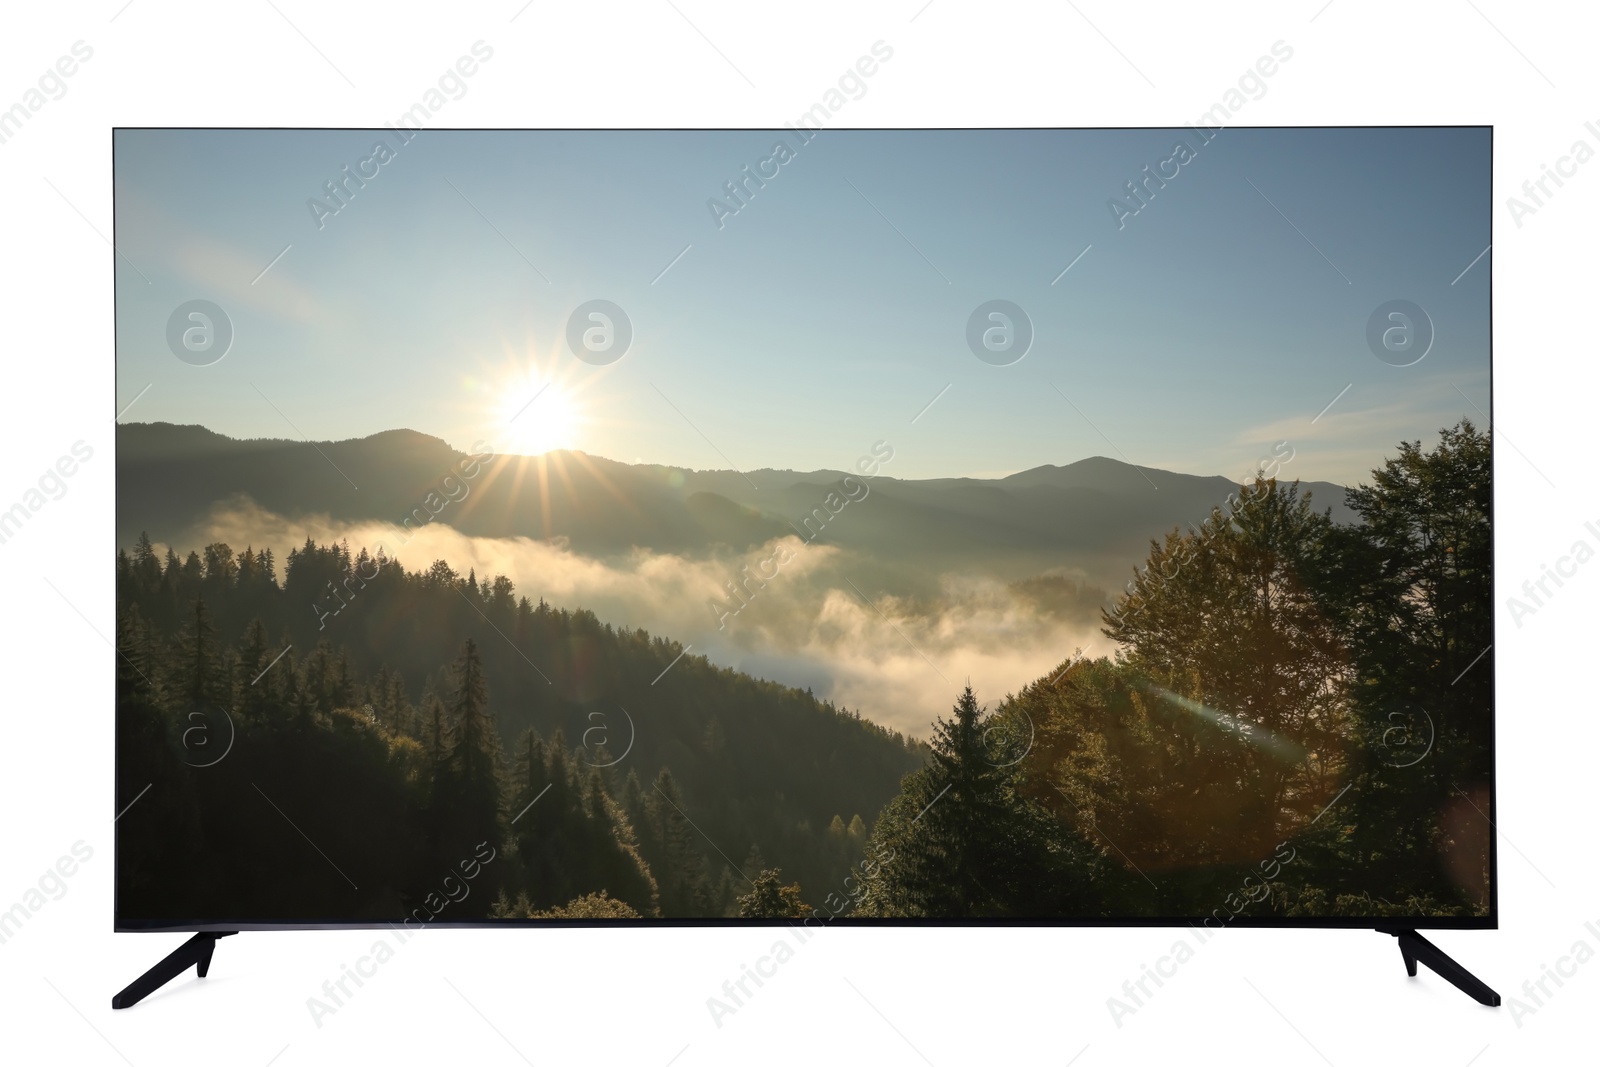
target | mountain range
[{"x": 1095, "y": 516}]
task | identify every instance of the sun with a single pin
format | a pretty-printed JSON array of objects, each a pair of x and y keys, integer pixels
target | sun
[{"x": 540, "y": 417}]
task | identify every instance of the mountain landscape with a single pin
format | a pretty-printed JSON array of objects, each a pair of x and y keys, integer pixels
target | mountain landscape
[
  {"x": 427, "y": 720},
  {"x": 361, "y": 716},
  {"x": 1096, "y": 515},
  {"x": 872, "y": 591}
]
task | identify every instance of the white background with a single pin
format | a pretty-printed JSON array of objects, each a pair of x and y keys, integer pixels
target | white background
[{"x": 935, "y": 995}]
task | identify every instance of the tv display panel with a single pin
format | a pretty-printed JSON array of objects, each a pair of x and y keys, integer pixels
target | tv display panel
[{"x": 1036, "y": 526}]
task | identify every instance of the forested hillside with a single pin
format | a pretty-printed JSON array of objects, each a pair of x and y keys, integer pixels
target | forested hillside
[
  {"x": 398, "y": 722},
  {"x": 1298, "y": 723}
]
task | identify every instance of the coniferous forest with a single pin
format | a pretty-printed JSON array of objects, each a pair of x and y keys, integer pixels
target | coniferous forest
[
  {"x": 435, "y": 715},
  {"x": 1297, "y": 722}
]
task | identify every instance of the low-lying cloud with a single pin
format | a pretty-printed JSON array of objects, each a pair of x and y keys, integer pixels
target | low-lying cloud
[{"x": 821, "y": 619}]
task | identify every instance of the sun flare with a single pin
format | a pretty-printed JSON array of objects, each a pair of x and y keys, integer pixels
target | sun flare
[{"x": 541, "y": 417}]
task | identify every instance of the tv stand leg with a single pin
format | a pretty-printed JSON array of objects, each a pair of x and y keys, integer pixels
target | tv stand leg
[
  {"x": 195, "y": 952},
  {"x": 1415, "y": 949}
]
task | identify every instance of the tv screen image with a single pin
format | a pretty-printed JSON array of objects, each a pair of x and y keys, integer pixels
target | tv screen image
[{"x": 1020, "y": 526}]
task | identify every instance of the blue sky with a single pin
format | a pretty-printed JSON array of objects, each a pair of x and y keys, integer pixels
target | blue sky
[{"x": 827, "y": 312}]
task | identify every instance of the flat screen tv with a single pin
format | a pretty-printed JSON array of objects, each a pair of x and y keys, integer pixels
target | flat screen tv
[{"x": 1031, "y": 527}]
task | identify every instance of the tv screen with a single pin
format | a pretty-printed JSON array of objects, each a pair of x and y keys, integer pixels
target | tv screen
[{"x": 1034, "y": 526}]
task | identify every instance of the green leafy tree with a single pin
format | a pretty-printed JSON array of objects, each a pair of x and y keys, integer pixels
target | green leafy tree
[
  {"x": 1412, "y": 584},
  {"x": 769, "y": 898},
  {"x": 1231, "y": 650},
  {"x": 590, "y": 906}
]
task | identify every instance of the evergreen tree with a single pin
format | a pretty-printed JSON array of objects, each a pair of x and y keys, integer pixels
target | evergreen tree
[
  {"x": 472, "y": 776},
  {"x": 633, "y": 800},
  {"x": 254, "y": 689},
  {"x": 435, "y": 733},
  {"x": 960, "y": 841},
  {"x": 399, "y": 707},
  {"x": 531, "y": 828},
  {"x": 320, "y": 677},
  {"x": 146, "y": 567},
  {"x": 679, "y": 864},
  {"x": 200, "y": 677},
  {"x": 378, "y": 695}
]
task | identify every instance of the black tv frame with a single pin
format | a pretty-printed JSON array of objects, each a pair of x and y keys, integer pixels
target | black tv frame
[{"x": 1414, "y": 948}]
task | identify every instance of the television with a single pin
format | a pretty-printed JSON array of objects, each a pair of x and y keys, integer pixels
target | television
[{"x": 1010, "y": 527}]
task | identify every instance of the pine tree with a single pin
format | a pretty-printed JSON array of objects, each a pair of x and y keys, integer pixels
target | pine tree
[
  {"x": 473, "y": 764},
  {"x": 680, "y": 872},
  {"x": 254, "y": 691},
  {"x": 200, "y": 671},
  {"x": 563, "y": 795},
  {"x": 135, "y": 663},
  {"x": 146, "y": 567},
  {"x": 342, "y": 687},
  {"x": 531, "y": 828},
  {"x": 435, "y": 733},
  {"x": 959, "y": 841},
  {"x": 634, "y": 805},
  {"x": 404, "y": 714},
  {"x": 378, "y": 697},
  {"x": 970, "y": 831}
]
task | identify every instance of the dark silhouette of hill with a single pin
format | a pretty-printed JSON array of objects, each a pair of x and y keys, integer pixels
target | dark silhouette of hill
[{"x": 1097, "y": 513}]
